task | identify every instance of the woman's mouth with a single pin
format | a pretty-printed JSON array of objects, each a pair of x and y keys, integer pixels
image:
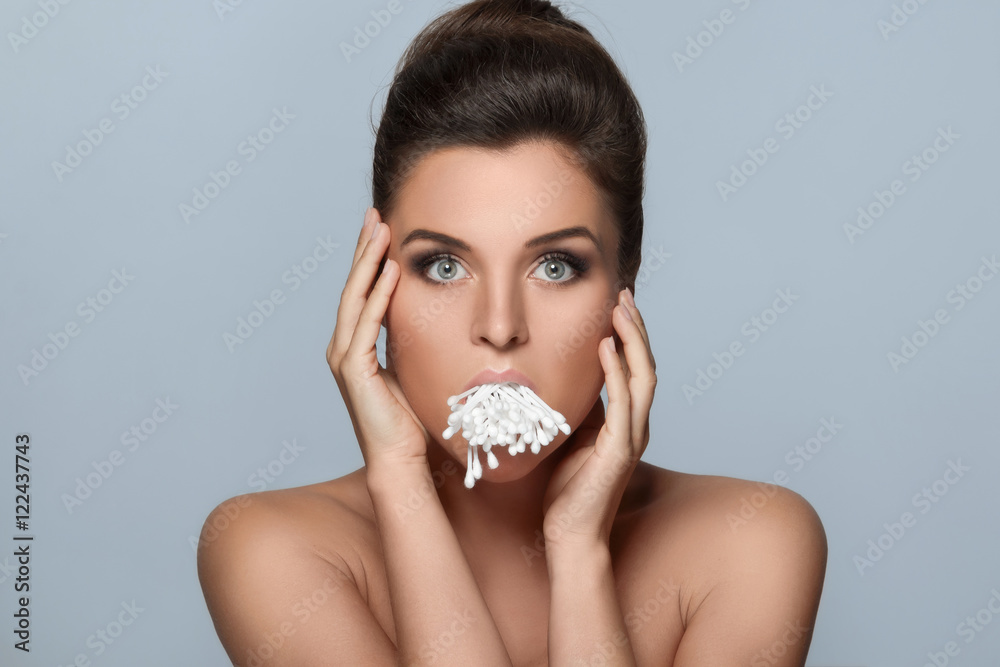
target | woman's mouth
[
  {"x": 508, "y": 375},
  {"x": 503, "y": 413}
]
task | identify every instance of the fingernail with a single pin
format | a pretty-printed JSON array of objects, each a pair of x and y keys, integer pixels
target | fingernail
[
  {"x": 378, "y": 226},
  {"x": 627, "y": 314},
  {"x": 628, "y": 296}
]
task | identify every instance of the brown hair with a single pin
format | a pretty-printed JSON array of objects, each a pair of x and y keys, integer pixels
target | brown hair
[{"x": 491, "y": 74}]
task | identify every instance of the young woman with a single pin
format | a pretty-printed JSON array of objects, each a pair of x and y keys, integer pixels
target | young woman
[{"x": 503, "y": 245}]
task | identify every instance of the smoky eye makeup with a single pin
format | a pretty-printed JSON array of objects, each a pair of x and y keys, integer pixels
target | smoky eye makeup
[{"x": 421, "y": 262}]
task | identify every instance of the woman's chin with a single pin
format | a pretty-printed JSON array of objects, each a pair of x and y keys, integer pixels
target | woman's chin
[{"x": 511, "y": 467}]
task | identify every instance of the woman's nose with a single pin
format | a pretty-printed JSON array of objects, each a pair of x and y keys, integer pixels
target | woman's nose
[{"x": 499, "y": 317}]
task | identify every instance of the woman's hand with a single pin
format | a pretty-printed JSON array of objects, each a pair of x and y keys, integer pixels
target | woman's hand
[
  {"x": 586, "y": 488},
  {"x": 385, "y": 424}
]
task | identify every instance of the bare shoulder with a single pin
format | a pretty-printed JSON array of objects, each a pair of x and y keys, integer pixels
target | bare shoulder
[
  {"x": 730, "y": 508},
  {"x": 715, "y": 524},
  {"x": 328, "y": 520},
  {"x": 748, "y": 555},
  {"x": 270, "y": 562}
]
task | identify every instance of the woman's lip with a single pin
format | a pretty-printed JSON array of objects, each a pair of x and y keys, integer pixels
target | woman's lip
[{"x": 509, "y": 375}]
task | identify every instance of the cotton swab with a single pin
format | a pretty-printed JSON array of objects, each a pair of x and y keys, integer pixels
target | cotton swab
[{"x": 507, "y": 414}]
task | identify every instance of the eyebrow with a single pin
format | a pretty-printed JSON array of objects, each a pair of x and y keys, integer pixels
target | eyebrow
[{"x": 444, "y": 239}]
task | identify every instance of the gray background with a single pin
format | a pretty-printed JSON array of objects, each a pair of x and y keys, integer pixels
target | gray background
[{"x": 161, "y": 337}]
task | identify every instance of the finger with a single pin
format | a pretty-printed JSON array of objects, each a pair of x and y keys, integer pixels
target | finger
[
  {"x": 361, "y": 350},
  {"x": 364, "y": 235},
  {"x": 637, "y": 318},
  {"x": 618, "y": 416},
  {"x": 355, "y": 292},
  {"x": 641, "y": 377}
]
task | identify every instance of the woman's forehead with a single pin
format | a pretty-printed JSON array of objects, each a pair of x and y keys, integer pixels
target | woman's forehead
[{"x": 529, "y": 190}]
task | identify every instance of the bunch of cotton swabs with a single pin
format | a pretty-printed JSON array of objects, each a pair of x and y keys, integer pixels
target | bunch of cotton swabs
[{"x": 507, "y": 414}]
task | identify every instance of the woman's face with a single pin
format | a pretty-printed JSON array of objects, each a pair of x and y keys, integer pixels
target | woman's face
[{"x": 488, "y": 281}]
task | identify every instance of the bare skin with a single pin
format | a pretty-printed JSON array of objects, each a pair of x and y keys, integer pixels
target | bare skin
[
  {"x": 671, "y": 546},
  {"x": 581, "y": 554}
]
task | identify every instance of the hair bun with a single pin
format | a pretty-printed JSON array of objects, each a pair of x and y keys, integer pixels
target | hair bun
[
  {"x": 493, "y": 74},
  {"x": 502, "y": 12},
  {"x": 485, "y": 18},
  {"x": 540, "y": 8}
]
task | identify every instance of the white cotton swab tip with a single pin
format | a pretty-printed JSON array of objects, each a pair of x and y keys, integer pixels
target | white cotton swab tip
[{"x": 506, "y": 414}]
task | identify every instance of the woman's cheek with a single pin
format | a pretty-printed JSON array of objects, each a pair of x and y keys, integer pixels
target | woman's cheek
[
  {"x": 578, "y": 363},
  {"x": 577, "y": 343},
  {"x": 423, "y": 319},
  {"x": 403, "y": 318}
]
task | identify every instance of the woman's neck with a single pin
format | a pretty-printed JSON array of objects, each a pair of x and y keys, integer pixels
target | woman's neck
[{"x": 492, "y": 510}]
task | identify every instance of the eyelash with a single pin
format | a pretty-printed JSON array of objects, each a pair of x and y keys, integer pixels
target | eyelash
[{"x": 421, "y": 263}]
